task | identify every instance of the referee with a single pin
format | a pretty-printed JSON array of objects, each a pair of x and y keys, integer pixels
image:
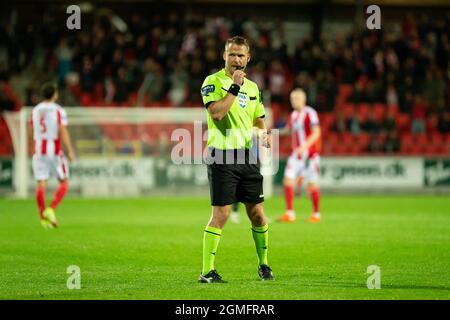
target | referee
[{"x": 234, "y": 108}]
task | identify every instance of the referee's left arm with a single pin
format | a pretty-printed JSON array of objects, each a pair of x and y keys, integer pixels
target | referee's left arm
[{"x": 262, "y": 131}]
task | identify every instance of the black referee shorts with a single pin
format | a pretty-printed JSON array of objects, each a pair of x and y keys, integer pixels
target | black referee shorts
[{"x": 233, "y": 181}]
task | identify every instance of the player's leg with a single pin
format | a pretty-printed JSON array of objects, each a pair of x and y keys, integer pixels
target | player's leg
[
  {"x": 289, "y": 183},
  {"x": 314, "y": 194},
  {"x": 61, "y": 169},
  {"x": 60, "y": 192},
  {"x": 41, "y": 172},
  {"x": 235, "y": 213},
  {"x": 41, "y": 187},
  {"x": 260, "y": 232},
  {"x": 312, "y": 176}
]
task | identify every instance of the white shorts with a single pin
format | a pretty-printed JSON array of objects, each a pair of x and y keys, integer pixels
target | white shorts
[
  {"x": 308, "y": 170},
  {"x": 46, "y": 166}
]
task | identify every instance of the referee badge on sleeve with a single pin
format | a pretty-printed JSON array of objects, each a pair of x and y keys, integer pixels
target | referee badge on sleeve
[
  {"x": 242, "y": 100},
  {"x": 207, "y": 89}
]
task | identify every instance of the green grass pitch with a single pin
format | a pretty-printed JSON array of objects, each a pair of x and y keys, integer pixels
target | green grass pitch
[{"x": 151, "y": 249}]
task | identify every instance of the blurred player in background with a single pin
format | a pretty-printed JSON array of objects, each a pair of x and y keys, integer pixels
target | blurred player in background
[
  {"x": 304, "y": 162},
  {"x": 235, "y": 213},
  {"x": 48, "y": 129}
]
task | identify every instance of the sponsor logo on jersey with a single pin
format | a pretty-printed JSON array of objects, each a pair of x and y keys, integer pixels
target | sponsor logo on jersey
[{"x": 207, "y": 89}]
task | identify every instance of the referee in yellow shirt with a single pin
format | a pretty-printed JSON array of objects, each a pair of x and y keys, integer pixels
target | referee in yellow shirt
[{"x": 234, "y": 108}]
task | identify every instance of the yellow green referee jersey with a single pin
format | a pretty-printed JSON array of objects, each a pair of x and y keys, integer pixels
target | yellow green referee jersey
[{"x": 234, "y": 131}]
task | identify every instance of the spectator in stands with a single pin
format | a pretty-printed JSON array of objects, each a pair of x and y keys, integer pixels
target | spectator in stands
[
  {"x": 66, "y": 97},
  {"x": 178, "y": 85},
  {"x": 391, "y": 95},
  {"x": 375, "y": 144},
  {"x": 389, "y": 124},
  {"x": 195, "y": 81},
  {"x": 8, "y": 99},
  {"x": 418, "y": 115},
  {"x": 354, "y": 124},
  {"x": 87, "y": 77},
  {"x": 153, "y": 85},
  {"x": 443, "y": 122},
  {"x": 406, "y": 94},
  {"x": 359, "y": 94},
  {"x": 340, "y": 125},
  {"x": 371, "y": 125},
  {"x": 392, "y": 142},
  {"x": 326, "y": 91},
  {"x": 348, "y": 67},
  {"x": 374, "y": 91},
  {"x": 256, "y": 74},
  {"x": 434, "y": 89},
  {"x": 277, "y": 81},
  {"x": 121, "y": 86},
  {"x": 64, "y": 54}
]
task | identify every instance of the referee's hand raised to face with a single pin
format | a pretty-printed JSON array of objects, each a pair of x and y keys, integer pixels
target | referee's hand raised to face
[{"x": 238, "y": 77}]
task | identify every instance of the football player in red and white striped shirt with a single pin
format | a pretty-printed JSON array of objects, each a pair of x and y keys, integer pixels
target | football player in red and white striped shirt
[
  {"x": 48, "y": 128},
  {"x": 304, "y": 162}
]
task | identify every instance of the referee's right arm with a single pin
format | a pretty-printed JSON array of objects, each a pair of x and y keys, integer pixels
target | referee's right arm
[{"x": 218, "y": 109}]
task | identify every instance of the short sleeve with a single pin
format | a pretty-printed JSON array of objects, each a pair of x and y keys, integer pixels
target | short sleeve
[
  {"x": 211, "y": 90},
  {"x": 259, "y": 111},
  {"x": 289, "y": 121},
  {"x": 63, "y": 117},
  {"x": 314, "y": 118}
]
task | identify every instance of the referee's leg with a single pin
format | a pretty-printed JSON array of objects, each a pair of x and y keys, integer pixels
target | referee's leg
[
  {"x": 260, "y": 232},
  {"x": 211, "y": 239}
]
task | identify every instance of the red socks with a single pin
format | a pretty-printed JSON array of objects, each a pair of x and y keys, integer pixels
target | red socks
[
  {"x": 59, "y": 194},
  {"x": 289, "y": 197},
  {"x": 40, "y": 199},
  {"x": 315, "y": 198}
]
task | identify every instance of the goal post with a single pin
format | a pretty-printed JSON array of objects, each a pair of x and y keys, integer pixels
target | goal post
[{"x": 127, "y": 152}]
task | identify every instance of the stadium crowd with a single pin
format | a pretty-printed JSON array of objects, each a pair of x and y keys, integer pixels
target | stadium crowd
[{"x": 162, "y": 60}]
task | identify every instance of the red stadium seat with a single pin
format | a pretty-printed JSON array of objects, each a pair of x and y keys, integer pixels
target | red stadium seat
[
  {"x": 363, "y": 141},
  {"x": 98, "y": 92},
  {"x": 394, "y": 109},
  {"x": 436, "y": 138},
  {"x": 332, "y": 138},
  {"x": 86, "y": 99},
  {"x": 380, "y": 110},
  {"x": 345, "y": 90},
  {"x": 363, "y": 111},
  {"x": 326, "y": 122},
  {"x": 349, "y": 109},
  {"x": 403, "y": 122},
  {"x": 348, "y": 138},
  {"x": 421, "y": 139}
]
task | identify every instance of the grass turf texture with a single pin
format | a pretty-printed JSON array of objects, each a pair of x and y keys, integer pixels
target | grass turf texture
[{"x": 151, "y": 249}]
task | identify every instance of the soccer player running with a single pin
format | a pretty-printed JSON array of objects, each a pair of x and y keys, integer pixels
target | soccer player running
[
  {"x": 234, "y": 108},
  {"x": 304, "y": 162},
  {"x": 48, "y": 128}
]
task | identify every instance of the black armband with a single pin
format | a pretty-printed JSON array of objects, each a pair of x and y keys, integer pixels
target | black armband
[{"x": 234, "y": 89}]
